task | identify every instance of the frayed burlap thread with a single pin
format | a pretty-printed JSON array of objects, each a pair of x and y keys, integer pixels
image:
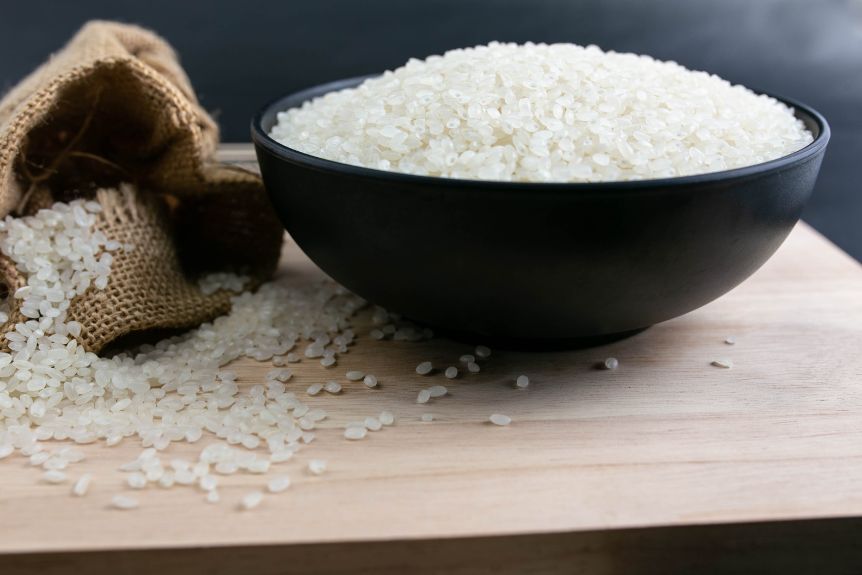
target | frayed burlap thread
[{"x": 112, "y": 108}]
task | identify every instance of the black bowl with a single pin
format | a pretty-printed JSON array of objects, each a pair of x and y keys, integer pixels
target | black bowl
[{"x": 535, "y": 260}]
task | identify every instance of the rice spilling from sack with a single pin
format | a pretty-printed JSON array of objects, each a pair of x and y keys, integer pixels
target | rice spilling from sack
[
  {"x": 51, "y": 388},
  {"x": 544, "y": 113}
]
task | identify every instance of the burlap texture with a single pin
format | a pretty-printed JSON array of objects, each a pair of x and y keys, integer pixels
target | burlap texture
[{"x": 115, "y": 106}]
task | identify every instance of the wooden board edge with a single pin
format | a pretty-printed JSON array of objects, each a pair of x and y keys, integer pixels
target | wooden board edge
[{"x": 799, "y": 547}]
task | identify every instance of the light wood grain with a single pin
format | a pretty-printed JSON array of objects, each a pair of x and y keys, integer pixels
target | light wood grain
[{"x": 666, "y": 440}]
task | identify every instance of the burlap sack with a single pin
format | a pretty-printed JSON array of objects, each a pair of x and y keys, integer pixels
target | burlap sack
[{"x": 115, "y": 106}]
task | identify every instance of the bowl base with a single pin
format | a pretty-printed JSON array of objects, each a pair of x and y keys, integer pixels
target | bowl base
[{"x": 533, "y": 344}]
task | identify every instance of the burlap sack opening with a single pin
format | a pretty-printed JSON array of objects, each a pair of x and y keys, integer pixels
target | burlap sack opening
[{"x": 114, "y": 107}]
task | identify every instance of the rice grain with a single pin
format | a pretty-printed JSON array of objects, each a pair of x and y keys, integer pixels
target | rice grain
[
  {"x": 278, "y": 484},
  {"x": 82, "y": 485},
  {"x": 370, "y": 380},
  {"x": 251, "y": 500},
  {"x": 355, "y": 432},
  {"x": 424, "y": 368},
  {"x": 124, "y": 502},
  {"x": 500, "y": 419}
]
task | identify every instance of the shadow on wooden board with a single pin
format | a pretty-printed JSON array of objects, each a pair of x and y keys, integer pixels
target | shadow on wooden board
[{"x": 830, "y": 546}]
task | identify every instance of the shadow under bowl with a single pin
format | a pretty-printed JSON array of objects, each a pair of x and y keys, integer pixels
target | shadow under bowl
[{"x": 575, "y": 262}]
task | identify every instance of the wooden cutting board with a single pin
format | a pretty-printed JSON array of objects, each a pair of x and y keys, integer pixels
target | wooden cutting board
[{"x": 665, "y": 459}]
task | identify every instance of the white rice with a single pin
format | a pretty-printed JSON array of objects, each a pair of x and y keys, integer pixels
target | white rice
[
  {"x": 500, "y": 419},
  {"x": 544, "y": 113},
  {"x": 82, "y": 485},
  {"x": 316, "y": 415},
  {"x": 438, "y": 390},
  {"x": 136, "y": 480},
  {"x": 370, "y": 380},
  {"x": 124, "y": 502},
  {"x": 281, "y": 375},
  {"x": 281, "y": 456},
  {"x": 372, "y": 424},
  {"x": 317, "y": 466},
  {"x": 53, "y": 476},
  {"x": 257, "y": 466},
  {"x": 355, "y": 432},
  {"x": 251, "y": 500},
  {"x": 222, "y": 281},
  {"x": 424, "y": 368},
  {"x": 278, "y": 484},
  {"x": 314, "y": 389},
  {"x": 332, "y": 387},
  {"x": 208, "y": 483}
]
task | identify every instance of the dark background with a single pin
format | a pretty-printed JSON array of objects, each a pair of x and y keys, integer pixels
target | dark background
[{"x": 242, "y": 53}]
